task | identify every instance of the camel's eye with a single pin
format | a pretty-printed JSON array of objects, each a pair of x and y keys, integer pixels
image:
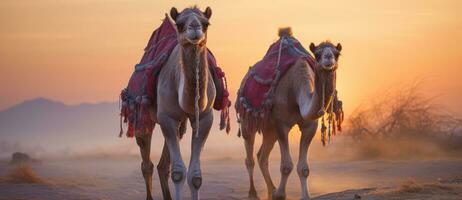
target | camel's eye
[
  {"x": 318, "y": 55},
  {"x": 180, "y": 27},
  {"x": 336, "y": 54},
  {"x": 205, "y": 25}
]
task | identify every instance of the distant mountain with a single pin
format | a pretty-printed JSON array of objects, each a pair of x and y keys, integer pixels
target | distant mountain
[
  {"x": 43, "y": 127},
  {"x": 45, "y": 124}
]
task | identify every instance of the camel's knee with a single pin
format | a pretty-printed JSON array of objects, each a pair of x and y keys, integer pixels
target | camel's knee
[
  {"x": 178, "y": 174},
  {"x": 163, "y": 168},
  {"x": 147, "y": 168},
  {"x": 303, "y": 170},
  {"x": 286, "y": 168},
  {"x": 195, "y": 180}
]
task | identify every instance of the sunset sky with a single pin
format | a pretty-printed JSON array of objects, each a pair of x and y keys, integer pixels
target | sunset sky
[{"x": 84, "y": 51}]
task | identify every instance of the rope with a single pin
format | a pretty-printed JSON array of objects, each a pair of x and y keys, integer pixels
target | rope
[
  {"x": 280, "y": 51},
  {"x": 198, "y": 96},
  {"x": 330, "y": 128},
  {"x": 323, "y": 97}
]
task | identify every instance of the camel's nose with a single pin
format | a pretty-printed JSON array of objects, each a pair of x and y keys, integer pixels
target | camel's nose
[
  {"x": 328, "y": 63},
  {"x": 196, "y": 36},
  {"x": 195, "y": 25}
]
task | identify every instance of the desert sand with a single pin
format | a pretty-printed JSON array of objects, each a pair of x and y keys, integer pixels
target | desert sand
[{"x": 116, "y": 179}]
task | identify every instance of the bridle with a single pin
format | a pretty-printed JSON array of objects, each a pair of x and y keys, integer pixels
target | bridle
[{"x": 327, "y": 106}]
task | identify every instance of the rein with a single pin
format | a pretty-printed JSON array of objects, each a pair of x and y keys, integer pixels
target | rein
[
  {"x": 198, "y": 96},
  {"x": 329, "y": 107}
]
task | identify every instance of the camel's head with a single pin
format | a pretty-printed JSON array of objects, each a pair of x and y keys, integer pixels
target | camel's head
[
  {"x": 192, "y": 24},
  {"x": 326, "y": 55}
]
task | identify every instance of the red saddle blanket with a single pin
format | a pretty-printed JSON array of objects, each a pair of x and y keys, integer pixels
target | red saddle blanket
[
  {"x": 140, "y": 94},
  {"x": 255, "y": 97}
]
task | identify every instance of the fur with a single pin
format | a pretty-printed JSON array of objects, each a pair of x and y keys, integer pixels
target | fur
[{"x": 285, "y": 32}]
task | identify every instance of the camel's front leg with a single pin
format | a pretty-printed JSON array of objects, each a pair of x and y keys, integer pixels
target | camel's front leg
[
  {"x": 303, "y": 170},
  {"x": 169, "y": 129},
  {"x": 286, "y": 163},
  {"x": 197, "y": 143},
  {"x": 144, "y": 142}
]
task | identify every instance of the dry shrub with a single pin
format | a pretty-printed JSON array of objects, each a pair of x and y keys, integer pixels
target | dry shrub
[
  {"x": 413, "y": 187},
  {"x": 24, "y": 174},
  {"x": 414, "y": 190},
  {"x": 404, "y": 124}
]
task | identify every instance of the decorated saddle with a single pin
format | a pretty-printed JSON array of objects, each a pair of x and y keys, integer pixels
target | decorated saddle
[
  {"x": 255, "y": 97},
  {"x": 139, "y": 97}
]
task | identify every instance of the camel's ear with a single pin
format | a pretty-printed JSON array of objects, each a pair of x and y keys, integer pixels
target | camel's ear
[
  {"x": 208, "y": 12},
  {"x": 174, "y": 13},
  {"x": 339, "y": 47},
  {"x": 312, "y": 47}
]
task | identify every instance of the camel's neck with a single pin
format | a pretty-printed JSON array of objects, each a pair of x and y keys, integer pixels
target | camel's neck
[
  {"x": 192, "y": 58},
  {"x": 311, "y": 95}
]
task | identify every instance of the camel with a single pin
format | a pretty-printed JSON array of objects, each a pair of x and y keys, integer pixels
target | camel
[
  {"x": 297, "y": 100},
  {"x": 184, "y": 87}
]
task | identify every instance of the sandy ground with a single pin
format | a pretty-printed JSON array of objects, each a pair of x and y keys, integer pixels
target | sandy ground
[{"x": 227, "y": 179}]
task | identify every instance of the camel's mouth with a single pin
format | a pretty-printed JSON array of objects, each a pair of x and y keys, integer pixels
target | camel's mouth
[
  {"x": 329, "y": 68},
  {"x": 195, "y": 41}
]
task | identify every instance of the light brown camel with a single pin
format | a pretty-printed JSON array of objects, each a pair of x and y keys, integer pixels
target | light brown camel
[
  {"x": 297, "y": 101},
  {"x": 176, "y": 93}
]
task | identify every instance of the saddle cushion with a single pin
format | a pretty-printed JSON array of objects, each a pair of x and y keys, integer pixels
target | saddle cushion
[
  {"x": 140, "y": 95},
  {"x": 255, "y": 97}
]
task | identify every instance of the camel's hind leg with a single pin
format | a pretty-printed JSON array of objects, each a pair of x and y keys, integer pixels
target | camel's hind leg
[
  {"x": 286, "y": 162},
  {"x": 163, "y": 169},
  {"x": 269, "y": 138},
  {"x": 249, "y": 140},
  {"x": 303, "y": 170},
  {"x": 144, "y": 142}
]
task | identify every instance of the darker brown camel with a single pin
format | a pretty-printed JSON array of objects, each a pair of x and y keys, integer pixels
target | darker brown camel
[{"x": 297, "y": 101}]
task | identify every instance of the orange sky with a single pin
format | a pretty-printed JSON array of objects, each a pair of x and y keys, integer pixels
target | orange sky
[{"x": 84, "y": 51}]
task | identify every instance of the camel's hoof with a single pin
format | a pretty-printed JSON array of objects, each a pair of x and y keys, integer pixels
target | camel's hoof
[
  {"x": 197, "y": 182},
  {"x": 149, "y": 198},
  {"x": 253, "y": 194},
  {"x": 278, "y": 196},
  {"x": 177, "y": 176}
]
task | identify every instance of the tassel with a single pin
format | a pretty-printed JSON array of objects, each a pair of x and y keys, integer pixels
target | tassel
[
  {"x": 121, "y": 127},
  {"x": 238, "y": 123},
  {"x": 323, "y": 132},
  {"x": 222, "y": 120},
  {"x": 228, "y": 125},
  {"x": 122, "y": 112},
  {"x": 334, "y": 127}
]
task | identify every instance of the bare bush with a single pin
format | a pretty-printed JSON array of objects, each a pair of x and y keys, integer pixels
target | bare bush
[{"x": 405, "y": 123}]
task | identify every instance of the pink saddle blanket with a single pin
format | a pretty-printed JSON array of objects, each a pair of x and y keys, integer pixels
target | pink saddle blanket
[
  {"x": 140, "y": 94},
  {"x": 254, "y": 98}
]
